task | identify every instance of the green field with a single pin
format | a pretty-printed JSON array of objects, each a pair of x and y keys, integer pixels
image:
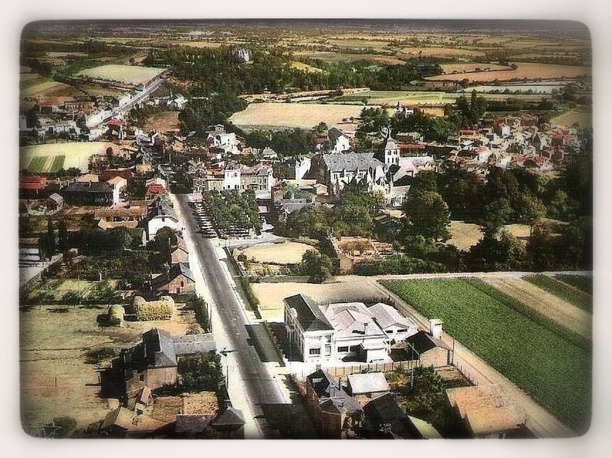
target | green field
[
  {"x": 553, "y": 370},
  {"x": 562, "y": 290},
  {"x": 37, "y": 164},
  {"x": 582, "y": 282},
  {"x": 58, "y": 163}
]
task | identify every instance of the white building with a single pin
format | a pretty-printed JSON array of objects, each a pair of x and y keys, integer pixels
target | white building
[{"x": 343, "y": 331}]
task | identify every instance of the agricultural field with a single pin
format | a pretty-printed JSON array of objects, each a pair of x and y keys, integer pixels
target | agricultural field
[
  {"x": 305, "y": 67},
  {"x": 463, "y": 67},
  {"x": 49, "y": 158},
  {"x": 56, "y": 379},
  {"x": 127, "y": 74},
  {"x": 332, "y": 57},
  {"x": 553, "y": 366},
  {"x": 582, "y": 282},
  {"x": 50, "y": 89},
  {"x": 410, "y": 98},
  {"x": 525, "y": 70},
  {"x": 563, "y": 290},
  {"x": 442, "y": 52},
  {"x": 164, "y": 121},
  {"x": 275, "y": 253},
  {"x": 582, "y": 115},
  {"x": 292, "y": 115}
]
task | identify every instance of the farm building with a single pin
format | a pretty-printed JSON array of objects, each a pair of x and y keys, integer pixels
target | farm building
[
  {"x": 153, "y": 362},
  {"x": 486, "y": 411},
  {"x": 428, "y": 348},
  {"x": 364, "y": 387},
  {"x": 88, "y": 193},
  {"x": 385, "y": 419},
  {"x": 178, "y": 280},
  {"x": 335, "y": 412}
]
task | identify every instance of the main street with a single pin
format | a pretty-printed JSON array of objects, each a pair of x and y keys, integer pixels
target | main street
[{"x": 250, "y": 384}]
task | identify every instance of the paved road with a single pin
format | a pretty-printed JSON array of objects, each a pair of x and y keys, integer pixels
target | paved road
[{"x": 251, "y": 384}]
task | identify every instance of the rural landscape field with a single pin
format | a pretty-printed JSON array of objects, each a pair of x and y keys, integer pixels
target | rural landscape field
[{"x": 306, "y": 229}]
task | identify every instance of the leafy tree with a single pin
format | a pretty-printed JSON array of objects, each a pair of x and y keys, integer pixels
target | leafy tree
[
  {"x": 62, "y": 243},
  {"x": 317, "y": 266},
  {"x": 50, "y": 239},
  {"x": 200, "y": 308},
  {"x": 200, "y": 372},
  {"x": 530, "y": 210},
  {"x": 542, "y": 248},
  {"x": 498, "y": 213},
  {"x": 427, "y": 215},
  {"x": 497, "y": 250}
]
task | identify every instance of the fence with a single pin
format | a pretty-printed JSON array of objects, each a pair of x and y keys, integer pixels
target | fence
[{"x": 341, "y": 371}]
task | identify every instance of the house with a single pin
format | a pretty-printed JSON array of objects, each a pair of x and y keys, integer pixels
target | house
[
  {"x": 153, "y": 362},
  {"x": 364, "y": 387},
  {"x": 334, "y": 411},
  {"x": 396, "y": 326},
  {"x": 180, "y": 254},
  {"x": 119, "y": 186},
  {"x": 129, "y": 216},
  {"x": 338, "y": 169},
  {"x": 178, "y": 280},
  {"x": 486, "y": 411},
  {"x": 389, "y": 154},
  {"x": 230, "y": 423},
  {"x": 126, "y": 423},
  {"x": 428, "y": 348},
  {"x": 32, "y": 187},
  {"x": 385, "y": 419},
  {"x": 341, "y": 331},
  {"x": 339, "y": 141},
  {"x": 55, "y": 201},
  {"x": 161, "y": 214},
  {"x": 88, "y": 193}
]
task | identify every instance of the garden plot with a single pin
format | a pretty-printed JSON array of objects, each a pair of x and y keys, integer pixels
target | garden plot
[
  {"x": 547, "y": 304},
  {"x": 48, "y": 158},
  {"x": 342, "y": 289},
  {"x": 275, "y": 253}
]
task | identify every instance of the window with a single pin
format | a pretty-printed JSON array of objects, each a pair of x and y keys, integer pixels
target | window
[
  {"x": 402, "y": 330},
  {"x": 389, "y": 331},
  {"x": 314, "y": 351},
  {"x": 354, "y": 348},
  {"x": 343, "y": 349}
]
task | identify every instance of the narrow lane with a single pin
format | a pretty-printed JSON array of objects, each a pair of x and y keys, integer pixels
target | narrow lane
[{"x": 243, "y": 366}]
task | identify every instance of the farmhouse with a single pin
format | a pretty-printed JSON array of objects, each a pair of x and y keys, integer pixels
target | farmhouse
[
  {"x": 178, "y": 280},
  {"x": 335, "y": 412},
  {"x": 153, "y": 362},
  {"x": 342, "y": 331},
  {"x": 88, "y": 193}
]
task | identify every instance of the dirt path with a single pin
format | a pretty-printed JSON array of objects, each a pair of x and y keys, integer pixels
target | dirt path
[{"x": 547, "y": 304}]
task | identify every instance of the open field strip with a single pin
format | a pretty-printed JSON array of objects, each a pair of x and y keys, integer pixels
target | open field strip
[
  {"x": 582, "y": 282},
  {"x": 547, "y": 304},
  {"x": 291, "y": 115},
  {"x": 525, "y": 70},
  {"x": 554, "y": 371},
  {"x": 128, "y": 74},
  {"x": 581, "y": 114},
  {"x": 564, "y": 291},
  {"x": 45, "y": 158},
  {"x": 276, "y": 253}
]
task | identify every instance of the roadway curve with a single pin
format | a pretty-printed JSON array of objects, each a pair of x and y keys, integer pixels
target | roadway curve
[{"x": 250, "y": 384}]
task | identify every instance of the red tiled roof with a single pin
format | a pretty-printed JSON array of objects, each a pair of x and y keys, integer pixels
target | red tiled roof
[
  {"x": 155, "y": 188},
  {"x": 106, "y": 175},
  {"x": 32, "y": 182}
]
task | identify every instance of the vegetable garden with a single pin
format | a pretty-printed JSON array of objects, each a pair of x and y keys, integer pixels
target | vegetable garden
[{"x": 553, "y": 367}]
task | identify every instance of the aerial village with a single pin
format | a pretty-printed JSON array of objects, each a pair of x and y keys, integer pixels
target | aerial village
[{"x": 226, "y": 290}]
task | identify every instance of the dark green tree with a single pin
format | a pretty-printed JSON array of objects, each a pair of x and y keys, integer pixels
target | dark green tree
[
  {"x": 62, "y": 235},
  {"x": 200, "y": 372},
  {"x": 427, "y": 214},
  {"x": 317, "y": 266}
]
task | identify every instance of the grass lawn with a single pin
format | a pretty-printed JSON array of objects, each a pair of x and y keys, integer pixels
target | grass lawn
[
  {"x": 555, "y": 371},
  {"x": 560, "y": 289}
]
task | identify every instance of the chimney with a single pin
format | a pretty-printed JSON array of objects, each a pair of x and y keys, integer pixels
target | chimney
[{"x": 435, "y": 328}]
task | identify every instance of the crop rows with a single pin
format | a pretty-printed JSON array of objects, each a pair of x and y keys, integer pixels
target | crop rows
[
  {"x": 37, "y": 164},
  {"x": 58, "y": 163},
  {"x": 582, "y": 282},
  {"x": 568, "y": 293},
  {"x": 552, "y": 369}
]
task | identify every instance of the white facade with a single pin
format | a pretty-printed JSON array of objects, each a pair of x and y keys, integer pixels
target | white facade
[
  {"x": 231, "y": 179},
  {"x": 159, "y": 221},
  {"x": 302, "y": 166}
]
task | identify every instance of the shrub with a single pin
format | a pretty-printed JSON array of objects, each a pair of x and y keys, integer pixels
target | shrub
[
  {"x": 67, "y": 425},
  {"x": 98, "y": 355}
]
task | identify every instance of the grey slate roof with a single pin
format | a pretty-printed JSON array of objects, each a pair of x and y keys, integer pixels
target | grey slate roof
[
  {"x": 337, "y": 162},
  {"x": 229, "y": 417},
  {"x": 194, "y": 343},
  {"x": 423, "y": 341},
  {"x": 309, "y": 315},
  {"x": 384, "y": 410},
  {"x": 334, "y": 133},
  {"x": 158, "y": 348},
  {"x": 89, "y": 186},
  {"x": 332, "y": 397}
]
